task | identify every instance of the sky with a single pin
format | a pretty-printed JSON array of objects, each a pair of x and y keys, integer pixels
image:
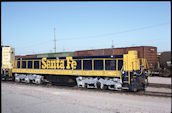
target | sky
[{"x": 29, "y": 26}]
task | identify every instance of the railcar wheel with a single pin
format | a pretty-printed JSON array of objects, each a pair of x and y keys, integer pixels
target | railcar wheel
[
  {"x": 86, "y": 85},
  {"x": 98, "y": 85},
  {"x": 105, "y": 87},
  {"x": 134, "y": 87}
]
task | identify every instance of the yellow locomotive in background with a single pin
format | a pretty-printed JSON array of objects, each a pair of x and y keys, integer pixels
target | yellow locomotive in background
[{"x": 115, "y": 72}]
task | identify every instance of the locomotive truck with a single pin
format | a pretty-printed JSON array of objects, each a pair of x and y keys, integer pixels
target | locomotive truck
[{"x": 115, "y": 72}]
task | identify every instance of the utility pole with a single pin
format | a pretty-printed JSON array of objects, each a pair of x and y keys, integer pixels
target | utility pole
[
  {"x": 54, "y": 40},
  {"x": 63, "y": 49},
  {"x": 112, "y": 44},
  {"x": 112, "y": 48}
]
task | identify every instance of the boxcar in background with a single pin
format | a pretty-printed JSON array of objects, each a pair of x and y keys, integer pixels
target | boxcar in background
[
  {"x": 26, "y": 56},
  {"x": 60, "y": 54},
  {"x": 164, "y": 64},
  {"x": 148, "y": 52}
]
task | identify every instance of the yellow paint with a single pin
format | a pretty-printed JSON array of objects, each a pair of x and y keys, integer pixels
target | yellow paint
[
  {"x": 125, "y": 81},
  {"x": 128, "y": 77},
  {"x": 70, "y": 72},
  {"x": 62, "y": 64},
  {"x": 117, "y": 64},
  {"x": 82, "y": 64},
  {"x": 74, "y": 64},
  {"x": 10, "y": 72},
  {"x": 58, "y": 64},
  {"x": 39, "y": 64},
  {"x": 26, "y": 64},
  {"x": 57, "y": 67},
  {"x": 44, "y": 65},
  {"x": 33, "y": 64},
  {"x": 104, "y": 64},
  {"x": 125, "y": 88},
  {"x": 131, "y": 61},
  {"x": 53, "y": 64},
  {"x": 144, "y": 63},
  {"x": 92, "y": 64}
]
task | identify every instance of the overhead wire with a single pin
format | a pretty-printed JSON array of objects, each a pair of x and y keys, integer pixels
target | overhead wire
[
  {"x": 101, "y": 35},
  {"x": 115, "y": 33}
]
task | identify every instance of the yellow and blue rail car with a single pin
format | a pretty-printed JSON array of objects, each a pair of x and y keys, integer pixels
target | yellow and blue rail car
[{"x": 116, "y": 72}]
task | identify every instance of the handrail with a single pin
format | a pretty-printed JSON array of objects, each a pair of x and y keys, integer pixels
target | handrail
[
  {"x": 26, "y": 65},
  {"x": 144, "y": 63}
]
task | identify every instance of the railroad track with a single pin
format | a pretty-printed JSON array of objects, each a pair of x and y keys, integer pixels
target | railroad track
[
  {"x": 74, "y": 87},
  {"x": 160, "y": 85},
  {"x": 160, "y": 94}
]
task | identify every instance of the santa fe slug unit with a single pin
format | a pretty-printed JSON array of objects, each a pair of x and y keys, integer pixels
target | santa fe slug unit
[{"x": 115, "y": 72}]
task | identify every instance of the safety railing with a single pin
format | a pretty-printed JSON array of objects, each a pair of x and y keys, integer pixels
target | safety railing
[
  {"x": 144, "y": 63},
  {"x": 36, "y": 63}
]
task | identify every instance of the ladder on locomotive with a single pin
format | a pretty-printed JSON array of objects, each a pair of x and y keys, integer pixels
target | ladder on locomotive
[{"x": 126, "y": 80}]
